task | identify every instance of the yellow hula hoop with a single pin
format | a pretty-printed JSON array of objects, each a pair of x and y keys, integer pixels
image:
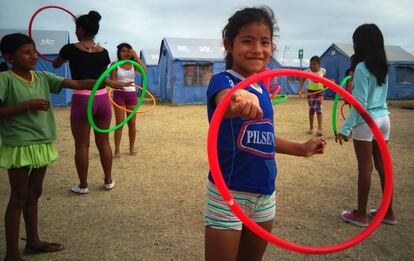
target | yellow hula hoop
[
  {"x": 125, "y": 109},
  {"x": 312, "y": 93}
]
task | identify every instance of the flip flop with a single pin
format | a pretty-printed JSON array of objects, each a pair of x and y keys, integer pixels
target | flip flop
[
  {"x": 349, "y": 216},
  {"x": 45, "y": 247},
  {"x": 373, "y": 212}
]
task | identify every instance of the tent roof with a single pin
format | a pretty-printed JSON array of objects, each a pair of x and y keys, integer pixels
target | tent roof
[
  {"x": 150, "y": 56},
  {"x": 197, "y": 49},
  {"x": 394, "y": 53},
  {"x": 293, "y": 62},
  {"x": 47, "y": 42}
]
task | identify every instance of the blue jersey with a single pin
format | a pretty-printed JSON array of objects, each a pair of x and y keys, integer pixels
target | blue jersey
[{"x": 246, "y": 148}]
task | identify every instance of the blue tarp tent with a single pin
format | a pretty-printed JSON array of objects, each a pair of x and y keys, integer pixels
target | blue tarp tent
[
  {"x": 49, "y": 43},
  {"x": 150, "y": 58},
  {"x": 290, "y": 84},
  {"x": 336, "y": 60},
  {"x": 185, "y": 68}
]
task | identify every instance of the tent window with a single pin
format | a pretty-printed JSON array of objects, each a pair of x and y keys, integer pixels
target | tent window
[
  {"x": 405, "y": 75},
  {"x": 197, "y": 74}
]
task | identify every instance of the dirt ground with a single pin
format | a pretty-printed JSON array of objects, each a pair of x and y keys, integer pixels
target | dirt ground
[{"x": 156, "y": 210}]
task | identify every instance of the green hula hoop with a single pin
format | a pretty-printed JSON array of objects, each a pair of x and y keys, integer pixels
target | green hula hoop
[
  {"x": 282, "y": 98},
  {"x": 98, "y": 83},
  {"x": 335, "y": 104}
]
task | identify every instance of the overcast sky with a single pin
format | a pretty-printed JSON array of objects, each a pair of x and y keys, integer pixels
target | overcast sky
[{"x": 309, "y": 25}]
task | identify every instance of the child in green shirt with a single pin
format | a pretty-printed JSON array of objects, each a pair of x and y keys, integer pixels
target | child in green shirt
[{"x": 28, "y": 132}]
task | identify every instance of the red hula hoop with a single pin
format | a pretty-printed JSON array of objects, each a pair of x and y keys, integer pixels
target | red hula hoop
[
  {"x": 33, "y": 17},
  {"x": 227, "y": 196}
]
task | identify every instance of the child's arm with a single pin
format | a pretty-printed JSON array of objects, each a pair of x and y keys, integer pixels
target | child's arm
[
  {"x": 136, "y": 58},
  {"x": 58, "y": 62},
  {"x": 243, "y": 104},
  {"x": 301, "y": 82},
  {"x": 35, "y": 104},
  {"x": 88, "y": 84},
  {"x": 309, "y": 148}
]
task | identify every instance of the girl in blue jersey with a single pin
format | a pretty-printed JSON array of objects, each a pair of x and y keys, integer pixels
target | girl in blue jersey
[
  {"x": 370, "y": 87},
  {"x": 246, "y": 141}
]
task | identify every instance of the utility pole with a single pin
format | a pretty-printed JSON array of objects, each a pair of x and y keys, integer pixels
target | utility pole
[{"x": 284, "y": 55}]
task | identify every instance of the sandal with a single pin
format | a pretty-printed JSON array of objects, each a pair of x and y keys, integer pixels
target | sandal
[
  {"x": 350, "y": 216},
  {"x": 373, "y": 212},
  {"x": 109, "y": 186},
  {"x": 309, "y": 132},
  {"x": 45, "y": 247},
  {"x": 79, "y": 190}
]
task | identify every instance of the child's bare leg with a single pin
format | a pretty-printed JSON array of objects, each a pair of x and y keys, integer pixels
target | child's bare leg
[
  {"x": 19, "y": 182},
  {"x": 363, "y": 151},
  {"x": 81, "y": 134},
  {"x": 311, "y": 117},
  {"x": 252, "y": 247},
  {"x": 319, "y": 117},
  {"x": 311, "y": 103},
  {"x": 105, "y": 151},
  {"x": 30, "y": 211},
  {"x": 132, "y": 131},
  {"x": 221, "y": 244},
  {"x": 119, "y": 117},
  {"x": 379, "y": 166}
]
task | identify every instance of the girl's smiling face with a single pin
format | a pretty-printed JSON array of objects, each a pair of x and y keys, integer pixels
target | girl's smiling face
[
  {"x": 125, "y": 53},
  {"x": 251, "y": 49}
]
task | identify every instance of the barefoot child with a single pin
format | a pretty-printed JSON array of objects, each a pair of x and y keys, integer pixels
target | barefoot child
[{"x": 127, "y": 97}]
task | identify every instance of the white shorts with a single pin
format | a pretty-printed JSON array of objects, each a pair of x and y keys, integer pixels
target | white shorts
[{"x": 363, "y": 132}]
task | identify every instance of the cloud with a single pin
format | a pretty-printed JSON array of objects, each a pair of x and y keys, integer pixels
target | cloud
[{"x": 309, "y": 25}]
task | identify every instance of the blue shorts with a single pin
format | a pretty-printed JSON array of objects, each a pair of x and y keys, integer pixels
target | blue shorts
[{"x": 260, "y": 208}]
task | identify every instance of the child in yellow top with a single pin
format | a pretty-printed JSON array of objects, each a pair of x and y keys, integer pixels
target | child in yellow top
[{"x": 315, "y": 100}]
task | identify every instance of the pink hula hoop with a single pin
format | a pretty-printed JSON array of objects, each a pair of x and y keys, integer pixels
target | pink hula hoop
[
  {"x": 33, "y": 17},
  {"x": 227, "y": 196},
  {"x": 274, "y": 90}
]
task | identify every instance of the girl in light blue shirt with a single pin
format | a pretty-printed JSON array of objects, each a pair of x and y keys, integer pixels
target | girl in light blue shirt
[{"x": 370, "y": 84}]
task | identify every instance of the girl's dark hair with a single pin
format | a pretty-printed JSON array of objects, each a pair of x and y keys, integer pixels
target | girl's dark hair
[
  {"x": 3, "y": 66},
  {"x": 315, "y": 59},
  {"x": 89, "y": 23},
  {"x": 10, "y": 43},
  {"x": 120, "y": 46},
  {"x": 244, "y": 17},
  {"x": 369, "y": 48}
]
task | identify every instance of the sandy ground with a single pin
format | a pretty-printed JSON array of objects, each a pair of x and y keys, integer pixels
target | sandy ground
[{"x": 156, "y": 210}]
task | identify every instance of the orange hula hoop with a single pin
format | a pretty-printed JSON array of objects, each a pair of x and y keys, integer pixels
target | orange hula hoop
[
  {"x": 313, "y": 93},
  {"x": 125, "y": 109}
]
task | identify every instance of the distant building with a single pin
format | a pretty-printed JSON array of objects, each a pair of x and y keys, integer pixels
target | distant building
[
  {"x": 150, "y": 58},
  {"x": 186, "y": 66}
]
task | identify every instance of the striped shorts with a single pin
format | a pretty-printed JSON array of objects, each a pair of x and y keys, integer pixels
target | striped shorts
[{"x": 260, "y": 208}]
